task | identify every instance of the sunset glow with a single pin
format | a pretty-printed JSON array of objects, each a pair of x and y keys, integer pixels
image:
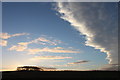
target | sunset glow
[{"x": 59, "y": 36}]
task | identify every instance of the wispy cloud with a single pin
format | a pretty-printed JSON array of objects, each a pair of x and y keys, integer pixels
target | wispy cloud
[
  {"x": 23, "y": 46},
  {"x": 56, "y": 65},
  {"x": 7, "y": 36},
  {"x": 97, "y": 22},
  {"x": 79, "y": 62},
  {"x": 42, "y": 41},
  {"x": 70, "y": 64},
  {"x": 49, "y": 57},
  {"x": 18, "y": 48},
  {"x": 3, "y": 42},
  {"x": 111, "y": 67},
  {"x": 51, "y": 50}
]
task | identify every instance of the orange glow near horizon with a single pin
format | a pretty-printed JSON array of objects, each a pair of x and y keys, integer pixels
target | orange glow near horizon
[{"x": 7, "y": 69}]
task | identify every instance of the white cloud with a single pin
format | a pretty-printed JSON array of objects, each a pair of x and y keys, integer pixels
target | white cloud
[
  {"x": 23, "y": 46},
  {"x": 18, "y": 48},
  {"x": 42, "y": 41},
  {"x": 3, "y": 42},
  {"x": 7, "y": 36},
  {"x": 97, "y": 21},
  {"x": 49, "y": 57},
  {"x": 51, "y": 50}
]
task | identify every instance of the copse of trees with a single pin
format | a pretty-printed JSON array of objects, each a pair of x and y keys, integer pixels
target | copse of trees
[{"x": 29, "y": 68}]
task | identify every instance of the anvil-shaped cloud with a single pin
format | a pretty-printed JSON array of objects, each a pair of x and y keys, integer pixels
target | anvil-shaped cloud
[{"x": 97, "y": 21}]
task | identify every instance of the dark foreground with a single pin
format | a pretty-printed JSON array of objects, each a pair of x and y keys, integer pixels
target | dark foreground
[{"x": 81, "y": 75}]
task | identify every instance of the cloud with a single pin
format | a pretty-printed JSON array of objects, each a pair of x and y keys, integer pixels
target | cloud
[
  {"x": 7, "y": 36},
  {"x": 97, "y": 21},
  {"x": 49, "y": 57},
  {"x": 22, "y": 46},
  {"x": 3, "y": 42},
  {"x": 71, "y": 64},
  {"x": 18, "y": 48},
  {"x": 48, "y": 68},
  {"x": 42, "y": 41},
  {"x": 79, "y": 62},
  {"x": 56, "y": 65},
  {"x": 51, "y": 50},
  {"x": 111, "y": 67}
]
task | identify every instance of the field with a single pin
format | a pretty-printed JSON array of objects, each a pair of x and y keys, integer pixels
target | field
[{"x": 41, "y": 75}]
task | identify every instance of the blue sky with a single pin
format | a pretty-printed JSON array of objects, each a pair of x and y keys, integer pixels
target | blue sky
[{"x": 40, "y": 20}]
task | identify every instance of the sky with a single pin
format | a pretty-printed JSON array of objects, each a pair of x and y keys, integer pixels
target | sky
[
  {"x": 0, "y": 32},
  {"x": 60, "y": 1},
  {"x": 59, "y": 35}
]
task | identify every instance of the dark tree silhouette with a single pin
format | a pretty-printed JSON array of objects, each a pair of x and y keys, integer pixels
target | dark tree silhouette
[{"x": 29, "y": 68}]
